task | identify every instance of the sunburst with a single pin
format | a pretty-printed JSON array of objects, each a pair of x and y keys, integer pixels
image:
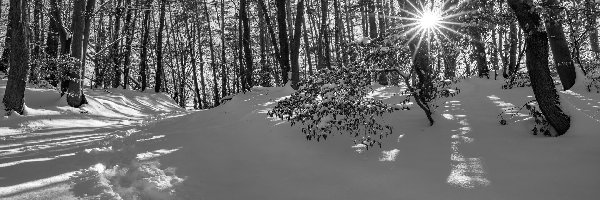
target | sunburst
[{"x": 434, "y": 19}]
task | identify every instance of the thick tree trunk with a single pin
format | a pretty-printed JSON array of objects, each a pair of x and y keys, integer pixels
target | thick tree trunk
[
  {"x": 18, "y": 57},
  {"x": 158, "y": 87},
  {"x": 537, "y": 66},
  {"x": 283, "y": 41},
  {"x": 559, "y": 45},
  {"x": 74, "y": 92},
  {"x": 295, "y": 50}
]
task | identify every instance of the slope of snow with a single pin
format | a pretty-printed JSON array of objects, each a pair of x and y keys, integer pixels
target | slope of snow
[
  {"x": 237, "y": 152},
  {"x": 50, "y": 141}
]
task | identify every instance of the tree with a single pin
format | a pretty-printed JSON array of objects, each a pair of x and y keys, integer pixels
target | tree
[
  {"x": 559, "y": 45},
  {"x": 18, "y": 56},
  {"x": 246, "y": 44},
  {"x": 159, "y": 48},
  {"x": 324, "y": 50},
  {"x": 130, "y": 31},
  {"x": 514, "y": 45},
  {"x": 145, "y": 40},
  {"x": 283, "y": 41},
  {"x": 295, "y": 50},
  {"x": 75, "y": 96},
  {"x": 537, "y": 65}
]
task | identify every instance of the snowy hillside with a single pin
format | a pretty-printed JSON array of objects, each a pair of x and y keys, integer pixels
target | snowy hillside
[
  {"x": 236, "y": 151},
  {"x": 52, "y": 140}
]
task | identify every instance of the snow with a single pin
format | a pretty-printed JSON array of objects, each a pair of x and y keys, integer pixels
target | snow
[{"x": 236, "y": 151}]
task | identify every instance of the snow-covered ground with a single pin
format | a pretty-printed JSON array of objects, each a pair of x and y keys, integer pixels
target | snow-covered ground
[
  {"x": 236, "y": 151},
  {"x": 44, "y": 147}
]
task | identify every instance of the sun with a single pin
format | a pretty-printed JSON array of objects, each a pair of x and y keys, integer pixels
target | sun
[{"x": 429, "y": 20}]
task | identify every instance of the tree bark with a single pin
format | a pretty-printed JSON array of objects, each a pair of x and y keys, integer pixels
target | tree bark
[
  {"x": 223, "y": 63},
  {"x": 514, "y": 45},
  {"x": 129, "y": 30},
  {"x": 537, "y": 66},
  {"x": 115, "y": 47},
  {"x": 158, "y": 87},
  {"x": 325, "y": 55},
  {"x": 74, "y": 92},
  {"x": 559, "y": 45},
  {"x": 246, "y": 43},
  {"x": 18, "y": 57},
  {"x": 295, "y": 50},
  {"x": 283, "y": 41}
]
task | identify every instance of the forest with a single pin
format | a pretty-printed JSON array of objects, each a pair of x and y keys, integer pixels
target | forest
[{"x": 115, "y": 86}]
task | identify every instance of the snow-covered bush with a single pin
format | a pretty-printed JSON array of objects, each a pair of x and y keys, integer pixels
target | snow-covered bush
[{"x": 336, "y": 101}]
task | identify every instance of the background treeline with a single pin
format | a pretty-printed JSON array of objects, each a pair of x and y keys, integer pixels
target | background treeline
[{"x": 200, "y": 51}]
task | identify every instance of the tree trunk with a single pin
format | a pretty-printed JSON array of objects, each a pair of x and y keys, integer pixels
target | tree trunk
[
  {"x": 129, "y": 30},
  {"x": 372, "y": 20},
  {"x": 223, "y": 63},
  {"x": 89, "y": 13},
  {"x": 514, "y": 45},
  {"x": 295, "y": 50},
  {"x": 98, "y": 58},
  {"x": 307, "y": 49},
  {"x": 194, "y": 68},
  {"x": 283, "y": 41},
  {"x": 537, "y": 66},
  {"x": 115, "y": 47},
  {"x": 145, "y": 41},
  {"x": 246, "y": 43},
  {"x": 18, "y": 57},
  {"x": 559, "y": 45},
  {"x": 325, "y": 55},
  {"x": 74, "y": 92},
  {"x": 159, "y": 48}
]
